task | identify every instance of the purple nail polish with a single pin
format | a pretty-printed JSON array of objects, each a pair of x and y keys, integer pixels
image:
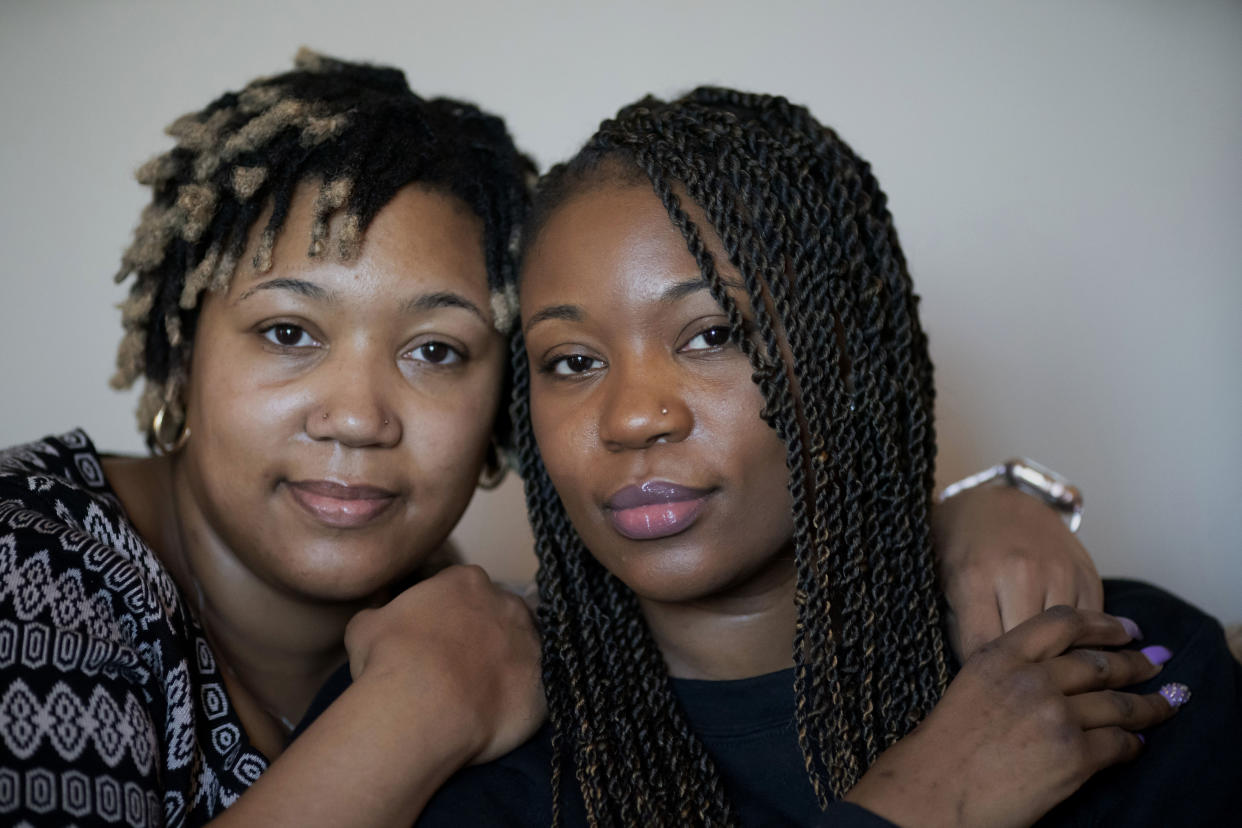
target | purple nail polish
[
  {"x": 1157, "y": 654},
  {"x": 1142, "y": 739},
  {"x": 1131, "y": 628},
  {"x": 1175, "y": 693}
]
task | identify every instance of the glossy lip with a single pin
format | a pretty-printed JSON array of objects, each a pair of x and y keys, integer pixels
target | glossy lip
[
  {"x": 655, "y": 509},
  {"x": 340, "y": 505}
]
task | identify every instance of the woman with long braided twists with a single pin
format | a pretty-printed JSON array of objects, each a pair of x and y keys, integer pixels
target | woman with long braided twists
[
  {"x": 724, "y": 419},
  {"x": 322, "y": 286}
]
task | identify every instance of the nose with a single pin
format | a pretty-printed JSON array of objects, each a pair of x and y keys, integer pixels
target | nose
[
  {"x": 352, "y": 405},
  {"x": 643, "y": 405}
]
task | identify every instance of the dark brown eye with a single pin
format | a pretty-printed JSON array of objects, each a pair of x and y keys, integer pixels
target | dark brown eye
[
  {"x": 288, "y": 336},
  {"x": 714, "y": 337},
  {"x": 437, "y": 353},
  {"x": 572, "y": 364}
]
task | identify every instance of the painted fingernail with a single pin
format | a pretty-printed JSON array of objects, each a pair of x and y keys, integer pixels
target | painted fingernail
[
  {"x": 1142, "y": 739},
  {"x": 1156, "y": 654},
  {"x": 1131, "y": 628},
  {"x": 1175, "y": 693}
]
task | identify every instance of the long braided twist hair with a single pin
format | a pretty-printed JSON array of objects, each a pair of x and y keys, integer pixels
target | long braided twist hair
[
  {"x": 356, "y": 128},
  {"x": 842, "y": 363}
]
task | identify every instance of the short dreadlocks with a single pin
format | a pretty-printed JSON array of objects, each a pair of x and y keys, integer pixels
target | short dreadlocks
[{"x": 356, "y": 128}]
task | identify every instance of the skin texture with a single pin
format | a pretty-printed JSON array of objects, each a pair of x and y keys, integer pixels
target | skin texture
[
  {"x": 659, "y": 401},
  {"x": 382, "y": 372},
  {"x": 1023, "y": 726},
  {"x": 627, "y": 386},
  {"x": 1003, "y": 557}
]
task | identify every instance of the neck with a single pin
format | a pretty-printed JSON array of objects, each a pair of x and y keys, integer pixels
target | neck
[
  {"x": 737, "y": 633},
  {"x": 275, "y": 648}
]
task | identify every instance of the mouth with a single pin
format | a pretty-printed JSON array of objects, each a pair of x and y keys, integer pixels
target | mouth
[
  {"x": 655, "y": 509},
  {"x": 340, "y": 505}
]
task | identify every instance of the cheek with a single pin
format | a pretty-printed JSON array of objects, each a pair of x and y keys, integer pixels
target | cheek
[
  {"x": 758, "y": 458},
  {"x": 449, "y": 433},
  {"x": 563, "y": 430}
]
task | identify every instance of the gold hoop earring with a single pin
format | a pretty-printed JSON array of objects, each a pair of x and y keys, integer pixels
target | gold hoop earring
[
  {"x": 161, "y": 446},
  {"x": 495, "y": 467}
]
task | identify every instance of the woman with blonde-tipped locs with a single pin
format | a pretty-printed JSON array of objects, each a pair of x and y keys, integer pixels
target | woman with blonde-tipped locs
[{"x": 320, "y": 302}]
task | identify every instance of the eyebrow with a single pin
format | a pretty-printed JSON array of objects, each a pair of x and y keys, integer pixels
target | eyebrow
[
  {"x": 673, "y": 293},
  {"x": 299, "y": 286},
  {"x": 568, "y": 313},
  {"x": 681, "y": 290},
  {"x": 426, "y": 302},
  {"x": 443, "y": 299}
]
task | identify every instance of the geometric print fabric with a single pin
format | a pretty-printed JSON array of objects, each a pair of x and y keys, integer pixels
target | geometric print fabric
[{"x": 112, "y": 709}]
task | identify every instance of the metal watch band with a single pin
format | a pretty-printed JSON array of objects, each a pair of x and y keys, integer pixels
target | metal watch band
[{"x": 1026, "y": 475}]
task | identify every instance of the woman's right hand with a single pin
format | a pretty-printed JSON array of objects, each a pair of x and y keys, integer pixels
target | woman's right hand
[
  {"x": 460, "y": 639},
  {"x": 1031, "y": 716}
]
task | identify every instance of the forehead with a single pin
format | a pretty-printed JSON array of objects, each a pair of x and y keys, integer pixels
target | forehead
[
  {"x": 620, "y": 232},
  {"x": 420, "y": 233}
]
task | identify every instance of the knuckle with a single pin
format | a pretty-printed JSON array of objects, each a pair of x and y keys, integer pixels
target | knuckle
[
  {"x": 1030, "y": 685},
  {"x": 988, "y": 651},
  {"x": 1124, "y": 742},
  {"x": 1126, "y": 704},
  {"x": 1066, "y": 616},
  {"x": 1095, "y": 660},
  {"x": 1052, "y": 715},
  {"x": 475, "y": 574}
]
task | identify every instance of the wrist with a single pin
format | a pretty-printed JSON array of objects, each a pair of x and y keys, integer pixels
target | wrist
[
  {"x": 898, "y": 788},
  {"x": 1030, "y": 478},
  {"x": 423, "y": 702}
]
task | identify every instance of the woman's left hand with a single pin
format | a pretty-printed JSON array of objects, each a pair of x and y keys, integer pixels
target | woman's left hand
[{"x": 1003, "y": 557}]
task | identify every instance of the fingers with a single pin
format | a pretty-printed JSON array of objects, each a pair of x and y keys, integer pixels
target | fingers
[
  {"x": 1090, "y": 593},
  {"x": 1109, "y": 745},
  {"x": 1110, "y": 708},
  {"x": 1020, "y": 603},
  {"x": 975, "y": 625},
  {"x": 1083, "y": 670},
  {"x": 1055, "y": 630}
]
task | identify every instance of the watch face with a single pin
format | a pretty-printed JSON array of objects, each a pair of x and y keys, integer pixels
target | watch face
[{"x": 1044, "y": 483}]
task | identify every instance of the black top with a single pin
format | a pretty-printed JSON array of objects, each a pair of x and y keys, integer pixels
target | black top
[{"x": 1189, "y": 774}]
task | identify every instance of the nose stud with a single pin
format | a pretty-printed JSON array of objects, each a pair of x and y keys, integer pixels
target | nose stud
[
  {"x": 385, "y": 422},
  {"x": 664, "y": 412},
  {"x": 325, "y": 415}
]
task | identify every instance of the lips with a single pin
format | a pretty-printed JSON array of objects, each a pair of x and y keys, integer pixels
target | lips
[
  {"x": 339, "y": 505},
  {"x": 655, "y": 509}
]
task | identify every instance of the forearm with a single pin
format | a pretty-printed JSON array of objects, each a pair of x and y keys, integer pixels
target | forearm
[{"x": 373, "y": 758}]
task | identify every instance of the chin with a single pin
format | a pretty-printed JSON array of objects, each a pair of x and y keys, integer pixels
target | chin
[
  {"x": 694, "y": 572},
  {"x": 340, "y": 573},
  {"x": 670, "y": 576}
]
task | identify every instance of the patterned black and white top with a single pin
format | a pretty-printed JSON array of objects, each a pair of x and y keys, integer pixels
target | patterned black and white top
[{"x": 112, "y": 709}]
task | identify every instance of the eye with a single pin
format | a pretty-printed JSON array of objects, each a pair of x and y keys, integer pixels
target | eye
[
  {"x": 573, "y": 364},
  {"x": 716, "y": 336},
  {"x": 436, "y": 353},
  {"x": 288, "y": 335}
]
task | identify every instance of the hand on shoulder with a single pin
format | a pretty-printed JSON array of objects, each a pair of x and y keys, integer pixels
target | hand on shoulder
[
  {"x": 1030, "y": 717},
  {"x": 467, "y": 642},
  {"x": 1003, "y": 557}
]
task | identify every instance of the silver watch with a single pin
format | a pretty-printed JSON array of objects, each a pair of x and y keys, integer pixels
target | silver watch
[{"x": 1026, "y": 475}]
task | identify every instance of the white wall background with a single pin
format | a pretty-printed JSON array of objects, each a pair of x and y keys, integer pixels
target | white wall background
[{"x": 1066, "y": 176}]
